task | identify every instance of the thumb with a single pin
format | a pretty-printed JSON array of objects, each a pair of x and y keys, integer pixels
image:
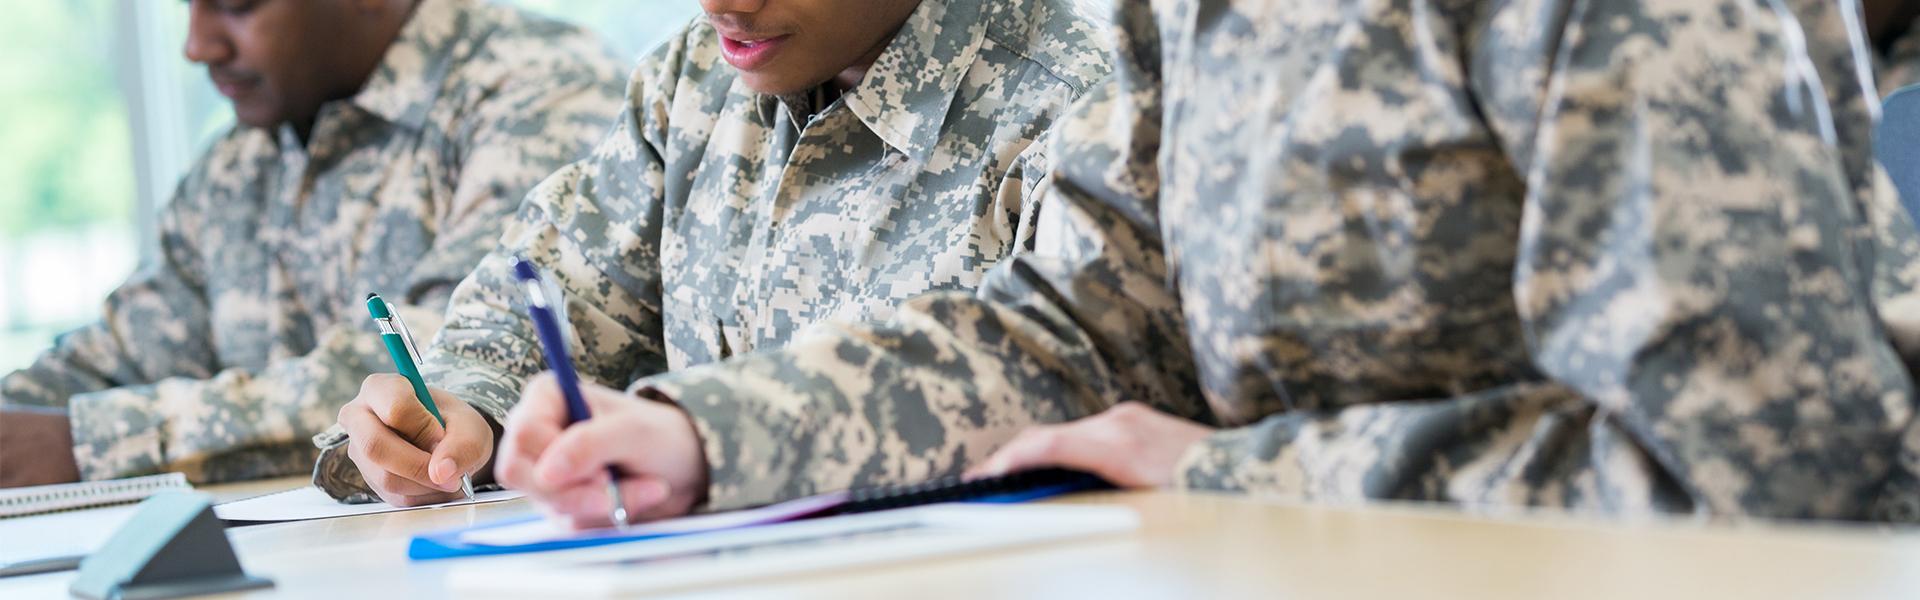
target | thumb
[{"x": 467, "y": 446}]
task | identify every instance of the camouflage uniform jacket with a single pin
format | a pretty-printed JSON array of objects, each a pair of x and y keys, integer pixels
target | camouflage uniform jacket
[
  {"x": 241, "y": 340},
  {"x": 714, "y": 220},
  {"x": 1612, "y": 256}
]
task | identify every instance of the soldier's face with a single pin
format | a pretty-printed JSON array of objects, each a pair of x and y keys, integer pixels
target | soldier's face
[
  {"x": 783, "y": 46},
  {"x": 271, "y": 57}
]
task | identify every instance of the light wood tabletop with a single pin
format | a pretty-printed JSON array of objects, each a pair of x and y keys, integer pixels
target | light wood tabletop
[{"x": 1192, "y": 546}]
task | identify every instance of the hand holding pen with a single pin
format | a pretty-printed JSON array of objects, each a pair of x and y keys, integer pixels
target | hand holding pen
[
  {"x": 413, "y": 444},
  {"x": 634, "y": 460},
  {"x": 542, "y": 298}
]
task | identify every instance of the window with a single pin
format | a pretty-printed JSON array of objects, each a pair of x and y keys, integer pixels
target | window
[
  {"x": 67, "y": 202},
  {"x": 103, "y": 117},
  {"x": 631, "y": 27}
]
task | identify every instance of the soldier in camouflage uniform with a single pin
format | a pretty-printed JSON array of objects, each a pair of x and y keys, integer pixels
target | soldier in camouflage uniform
[
  {"x": 1611, "y": 256},
  {"x": 764, "y": 177},
  {"x": 245, "y": 335}
]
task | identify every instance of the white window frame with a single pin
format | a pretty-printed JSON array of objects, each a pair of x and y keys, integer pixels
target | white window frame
[{"x": 145, "y": 63}]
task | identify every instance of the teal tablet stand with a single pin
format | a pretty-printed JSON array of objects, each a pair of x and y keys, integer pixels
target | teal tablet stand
[{"x": 173, "y": 546}]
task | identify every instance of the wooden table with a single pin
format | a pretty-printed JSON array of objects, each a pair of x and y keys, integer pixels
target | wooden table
[{"x": 1196, "y": 546}]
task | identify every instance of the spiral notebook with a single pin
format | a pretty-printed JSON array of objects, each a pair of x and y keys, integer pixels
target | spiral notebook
[
  {"x": 42, "y": 499},
  {"x": 537, "y": 534}
]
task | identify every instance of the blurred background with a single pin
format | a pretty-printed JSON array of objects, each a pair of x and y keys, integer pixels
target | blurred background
[{"x": 102, "y": 116}]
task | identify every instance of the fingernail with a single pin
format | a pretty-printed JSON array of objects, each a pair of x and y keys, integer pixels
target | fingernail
[{"x": 444, "y": 469}]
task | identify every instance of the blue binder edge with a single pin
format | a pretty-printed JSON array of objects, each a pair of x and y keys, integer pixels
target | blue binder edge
[{"x": 446, "y": 544}]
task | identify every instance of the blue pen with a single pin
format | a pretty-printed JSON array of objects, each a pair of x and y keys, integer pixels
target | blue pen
[{"x": 542, "y": 298}]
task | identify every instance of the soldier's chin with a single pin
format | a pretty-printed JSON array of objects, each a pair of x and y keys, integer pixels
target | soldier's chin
[
  {"x": 253, "y": 115},
  {"x": 775, "y": 84}
]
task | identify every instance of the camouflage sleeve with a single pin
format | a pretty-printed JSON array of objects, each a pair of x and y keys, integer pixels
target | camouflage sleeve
[
  {"x": 527, "y": 128},
  {"x": 1897, "y": 273},
  {"x": 1689, "y": 275},
  {"x": 237, "y": 424},
  {"x": 1897, "y": 296},
  {"x": 1082, "y": 323}
]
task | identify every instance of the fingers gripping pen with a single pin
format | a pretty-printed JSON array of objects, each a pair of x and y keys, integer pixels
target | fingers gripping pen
[
  {"x": 546, "y": 307},
  {"x": 400, "y": 346}
]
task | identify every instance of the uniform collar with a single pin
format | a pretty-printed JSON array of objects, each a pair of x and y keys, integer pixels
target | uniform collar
[
  {"x": 908, "y": 91},
  {"x": 410, "y": 76}
]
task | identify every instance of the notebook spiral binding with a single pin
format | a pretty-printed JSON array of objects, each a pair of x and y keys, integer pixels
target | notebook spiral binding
[{"x": 74, "y": 496}]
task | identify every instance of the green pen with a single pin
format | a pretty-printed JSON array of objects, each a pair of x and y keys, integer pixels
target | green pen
[{"x": 400, "y": 346}]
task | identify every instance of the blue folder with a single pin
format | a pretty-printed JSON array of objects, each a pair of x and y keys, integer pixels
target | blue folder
[
  {"x": 447, "y": 544},
  {"x": 1896, "y": 142}
]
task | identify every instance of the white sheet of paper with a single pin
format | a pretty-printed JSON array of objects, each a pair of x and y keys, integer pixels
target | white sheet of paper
[
  {"x": 61, "y": 533},
  {"x": 844, "y": 543},
  {"x": 309, "y": 502},
  {"x": 547, "y": 530}
]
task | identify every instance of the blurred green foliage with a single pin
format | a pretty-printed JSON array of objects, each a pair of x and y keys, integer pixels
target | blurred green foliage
[
  {"x": 64, "y": 141},
  {"x": 64, "y": 158}
]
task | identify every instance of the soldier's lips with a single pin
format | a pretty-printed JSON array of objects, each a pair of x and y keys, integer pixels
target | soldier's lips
[
  {"x": 234, "y": 87},
  {"x": 750, "y": 54}
]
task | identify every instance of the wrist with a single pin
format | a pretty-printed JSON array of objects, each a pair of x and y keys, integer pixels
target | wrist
[{"x": 701, "y": 472}]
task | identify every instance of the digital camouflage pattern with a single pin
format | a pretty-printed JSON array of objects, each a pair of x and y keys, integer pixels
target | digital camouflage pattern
[
  {"x": 714, "y": 221},
  {"x": 1612, "y": 256},
  {"x": 244, "y": 337}
]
